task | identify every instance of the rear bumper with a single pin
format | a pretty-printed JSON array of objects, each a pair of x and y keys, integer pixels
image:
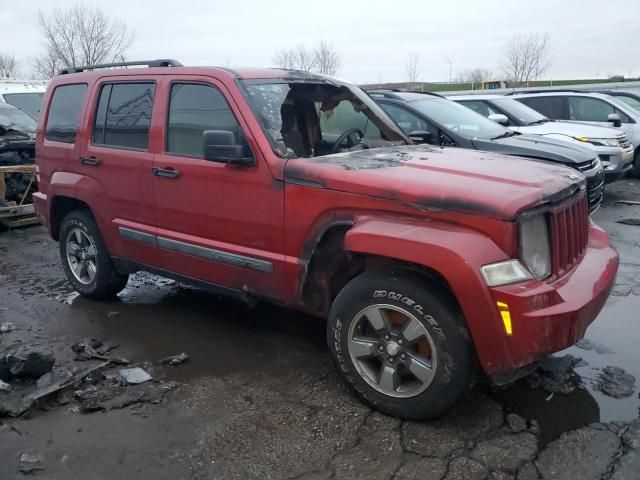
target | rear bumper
[
  {"x": 547, "y": 318},
  {"x": 40, "y": 204}
]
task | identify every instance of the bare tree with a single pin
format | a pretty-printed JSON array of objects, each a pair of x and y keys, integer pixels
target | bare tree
[
  {"x": 8, "y": 66},
  {"x": 81, "y": 35},
  {"x": 527, "y": 56},
  {"x": 297, "y": 58},
  {"x": 412, "y": 67},
  {"x": 326, "y": 59},
  {"x": 475, "y": 75}
]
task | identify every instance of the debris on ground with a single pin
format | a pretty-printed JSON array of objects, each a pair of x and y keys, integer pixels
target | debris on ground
[
  {"x": 629, "y": 221},
  {"x": 555, "y": 374},
  {"x": 113, "y": 314},
  {"x": 587, "y": 344},
  {"x": 25, "y": 365},
  {"x": 616, "y": 382},
  {"x": 7, "y": 327},
  {"x": 112, "y": 395},
  {"x": 135, "y": 375},
  {"x": 516, "y": 423},
  {"x": 628, "y": 202},
  {"x": 4, "y": 387},
  {"x": 175, "y": 359},
  {"x": 30, "y": 462},
  {"x": 92, "y": 349}
]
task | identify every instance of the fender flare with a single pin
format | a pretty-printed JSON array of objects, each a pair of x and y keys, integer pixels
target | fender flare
[{"x": 455, "y": 252}]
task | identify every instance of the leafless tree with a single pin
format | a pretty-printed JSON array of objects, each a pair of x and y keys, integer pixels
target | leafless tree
[
  {"x": 527, "y": 56},
  {"x": 81, "y": 35},
  {"x": 326, "y": 59},
  {"x": 8, "y": 66},
  {"x": 297, "y": 58},
  {"x": 475, "y": 75},
  {"x": 412, "y": 67}
]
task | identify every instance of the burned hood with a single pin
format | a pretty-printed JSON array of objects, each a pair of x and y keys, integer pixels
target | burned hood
[{"x": 469, "y": 181}]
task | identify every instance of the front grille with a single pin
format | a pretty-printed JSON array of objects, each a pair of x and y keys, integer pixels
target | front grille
[
  {"x": 624, "y": 142},
  {"x": 569, "y": 229}
]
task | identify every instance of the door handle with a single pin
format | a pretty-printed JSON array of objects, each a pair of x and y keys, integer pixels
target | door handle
[
  {"x": 91, "y": 161},
  {"x": 168, "y": 172}
]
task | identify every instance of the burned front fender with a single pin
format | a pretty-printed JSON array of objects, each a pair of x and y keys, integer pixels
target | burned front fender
[{"x": 456, "y": 253}]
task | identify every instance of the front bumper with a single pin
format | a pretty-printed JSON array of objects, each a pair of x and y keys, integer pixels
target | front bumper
[
  {"x": 40, "y": 204},
  {"x": 549, "y": 317},
  {"x": 616, "y": 162}
]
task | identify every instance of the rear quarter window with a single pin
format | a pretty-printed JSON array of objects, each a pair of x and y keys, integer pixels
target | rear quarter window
[{"x": 64, "y": 113}]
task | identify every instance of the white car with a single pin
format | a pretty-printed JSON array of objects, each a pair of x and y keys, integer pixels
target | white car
[
  {"x": 611, "y": 144},
  {"x": 26, "y": 96},
  {"x": 592, "y": 108}
]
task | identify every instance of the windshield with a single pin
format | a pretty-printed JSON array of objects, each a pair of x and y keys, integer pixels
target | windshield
[
  {"x": 12, "y": 118},
  {"x": 524, "y": 114},
  {"x": 458, "y": 119},
  {"x": 632, "y": 102},
  {"x": 303, "y": 119},
  {"x": 29, "y": 102}
]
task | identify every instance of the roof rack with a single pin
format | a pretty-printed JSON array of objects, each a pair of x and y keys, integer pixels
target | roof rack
[
  {"x": 547, "y": 90},
  {"x": 163, "y": 62},
  {"x": 397, "y": 90}
]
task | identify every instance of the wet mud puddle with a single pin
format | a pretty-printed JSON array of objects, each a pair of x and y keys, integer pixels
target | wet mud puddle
[{"x": 612, "y": 340}]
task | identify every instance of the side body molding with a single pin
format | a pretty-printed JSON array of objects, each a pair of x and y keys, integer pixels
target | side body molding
[{"x": 455, "y": 252}]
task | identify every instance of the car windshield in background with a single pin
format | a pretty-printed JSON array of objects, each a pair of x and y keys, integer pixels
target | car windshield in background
[
  {"x": 12, "y": 118},
  {"x": 458, "y": 119},
  {"x": 526, "y": 115},
  {"x": 303, "y": 119},
  {"x": 29, "y": 102}
]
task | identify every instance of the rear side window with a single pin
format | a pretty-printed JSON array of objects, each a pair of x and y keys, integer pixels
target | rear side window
[
  {"x": 407, "y": 121},
  {"x": 64, "y": 113},
  {"x": 551, "y": 107},
  {"x": 123, "y": 115},
  {"x": 194, "y": 108}
]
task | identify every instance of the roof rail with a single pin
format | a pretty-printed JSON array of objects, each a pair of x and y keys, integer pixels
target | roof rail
[
  {"x": 397, "y": 90},
  {"x": 163, "y": 62},
  {"x": 547, "y": 90}
]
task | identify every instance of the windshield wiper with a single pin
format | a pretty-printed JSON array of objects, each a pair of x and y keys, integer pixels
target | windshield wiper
[
  {"x": 508, "y": 133},
  {"x": 537, "y": 122}
]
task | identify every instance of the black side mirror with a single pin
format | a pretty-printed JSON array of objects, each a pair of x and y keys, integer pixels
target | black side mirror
[
  {"x": 220, "y": 146},
  {"x": 615, "y": 119},
  {"x": 421, "y": 136}
]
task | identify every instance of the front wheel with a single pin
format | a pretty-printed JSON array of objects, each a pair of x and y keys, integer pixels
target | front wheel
[
  {"x": 636, "y": 163},
  {"x": 85, "y": 258},
  {"x": 400, "y": 344}
]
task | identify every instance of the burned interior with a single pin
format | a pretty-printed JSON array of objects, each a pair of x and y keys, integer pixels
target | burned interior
[{"x": 312, "y": 119}]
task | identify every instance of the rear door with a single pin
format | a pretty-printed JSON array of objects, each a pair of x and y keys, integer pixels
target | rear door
[
  {"x": 117, "y": 156},
  {"x": 220, "y": 223}
]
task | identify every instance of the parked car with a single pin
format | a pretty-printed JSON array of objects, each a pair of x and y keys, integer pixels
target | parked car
[
  {"x": 298, "y": 189},
  {"x": 610, "y": 144},
  {"x": 448, "y": 124},
  {"x": 595, "y": 108},
  {"x": 17, "y": 147},
  {"x": 25, "y": 96}
]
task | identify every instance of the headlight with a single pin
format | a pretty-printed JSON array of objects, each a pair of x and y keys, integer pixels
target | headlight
[
  {"x": 503, "y": 273},
  {"x": 602, "y": 142},
  {"x": 535, "y": 250}
]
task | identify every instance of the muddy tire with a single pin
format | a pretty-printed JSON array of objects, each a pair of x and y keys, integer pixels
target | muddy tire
[
  {"x": 400, "y": 344},
  {"x": 636, "y": 164},
  {"x": 85, "y": 259}
]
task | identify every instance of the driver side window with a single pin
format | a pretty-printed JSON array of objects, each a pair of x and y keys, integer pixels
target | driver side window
[{"x": 406, "y": 120}]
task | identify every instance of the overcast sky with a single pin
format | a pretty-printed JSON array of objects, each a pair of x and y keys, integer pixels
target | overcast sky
[{"x": 589, "y": 37}]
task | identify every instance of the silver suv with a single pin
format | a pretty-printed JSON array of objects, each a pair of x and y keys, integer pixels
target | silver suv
[
  {"x": 610, "y": 144},
  {"x": 595, "y": 108}
]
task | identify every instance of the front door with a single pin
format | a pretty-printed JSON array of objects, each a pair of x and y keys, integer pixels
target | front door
[{"x": 217, "y": 222}]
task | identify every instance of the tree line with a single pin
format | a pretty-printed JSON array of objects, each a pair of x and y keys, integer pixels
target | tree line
[{"x": 82, "y": 35}]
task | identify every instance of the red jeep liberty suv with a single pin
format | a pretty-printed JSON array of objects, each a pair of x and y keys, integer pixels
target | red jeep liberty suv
[{"x": 297, "y": 188}]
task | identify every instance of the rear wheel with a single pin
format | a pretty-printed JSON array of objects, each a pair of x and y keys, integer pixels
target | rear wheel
[
  {"x": 85, "y": 258},
  {"x": 400, "y": 344}
]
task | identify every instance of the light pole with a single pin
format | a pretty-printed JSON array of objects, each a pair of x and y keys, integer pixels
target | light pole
[{"x": 450, "y": 65}]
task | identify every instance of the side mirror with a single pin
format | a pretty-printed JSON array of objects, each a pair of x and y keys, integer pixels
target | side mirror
[
  {"x": 615, "y": 119},
  {"x": 499, "y": 118},
  {"x": 220, "y": 146},
  {"x": 421, "y": 136}
]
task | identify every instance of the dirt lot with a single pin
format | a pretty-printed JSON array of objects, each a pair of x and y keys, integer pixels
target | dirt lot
[{"x": 258, "y": 397}]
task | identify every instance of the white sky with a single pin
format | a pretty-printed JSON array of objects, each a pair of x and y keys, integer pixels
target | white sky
[{"x": 589, "y": 37}]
